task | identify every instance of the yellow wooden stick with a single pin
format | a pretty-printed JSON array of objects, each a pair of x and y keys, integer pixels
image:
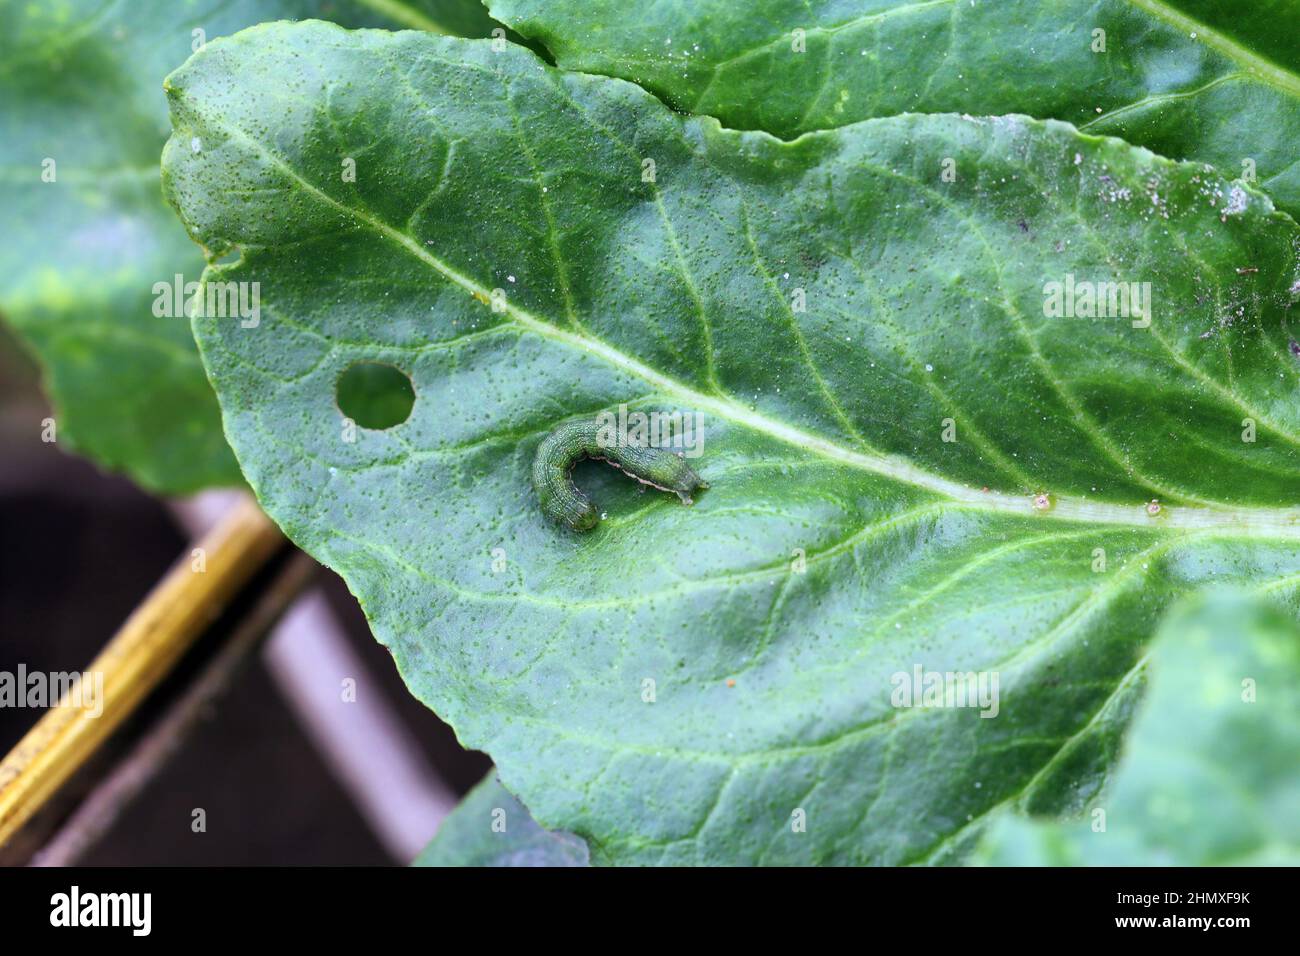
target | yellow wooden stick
[{"x": 179, "y": 609}]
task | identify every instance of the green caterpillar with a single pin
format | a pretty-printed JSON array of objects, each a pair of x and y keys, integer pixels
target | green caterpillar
[{"x": 575, "y": 440}]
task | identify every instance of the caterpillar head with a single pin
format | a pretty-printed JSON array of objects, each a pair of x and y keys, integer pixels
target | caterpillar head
[{"x": 586, "y": 518}]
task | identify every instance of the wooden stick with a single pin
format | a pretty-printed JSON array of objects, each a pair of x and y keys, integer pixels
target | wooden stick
[
  {"x": 156, "y": 635},
  {"x": 102, "y": 807}
]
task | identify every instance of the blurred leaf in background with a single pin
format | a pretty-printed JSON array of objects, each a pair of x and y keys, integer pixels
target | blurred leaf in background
[
  {"x": 85, "y": 235},
  {"x": 1210, "y": 771}
]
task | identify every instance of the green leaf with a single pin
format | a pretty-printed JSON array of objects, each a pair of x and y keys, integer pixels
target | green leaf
[
  {"x": 843, "y": 540},
  {"x": 81, "y": 83},
  {"x": 1210, "y": 773},
  {"x": 1189, "y": 79},
  {"x": 491, "y": 828}
]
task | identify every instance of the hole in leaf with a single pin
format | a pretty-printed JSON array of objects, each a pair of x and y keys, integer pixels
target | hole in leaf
[{"x": 375, "y": 395}]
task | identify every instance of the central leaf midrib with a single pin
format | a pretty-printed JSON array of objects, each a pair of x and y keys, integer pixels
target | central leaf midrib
[{"x": 1244, "y": 521}]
